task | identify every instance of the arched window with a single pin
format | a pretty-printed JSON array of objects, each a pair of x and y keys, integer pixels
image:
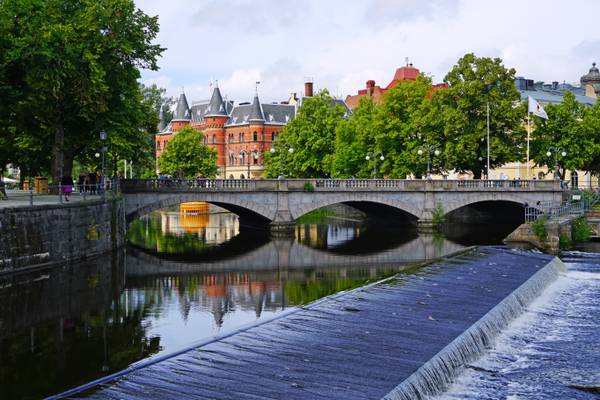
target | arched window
[
  {"x": 574, "y": 180},
  {"x": 214, "y": 139},
  {"x": 242, "y": 158},
  {"x": 231, "y": 158},
  {"x": 255, "y": 157},
  {"x": 255, "y": 136}
]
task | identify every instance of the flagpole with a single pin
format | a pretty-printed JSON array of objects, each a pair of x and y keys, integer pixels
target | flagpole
[
  {"x": 528, "y": 133},
  {"x": 488, "y": 141}
]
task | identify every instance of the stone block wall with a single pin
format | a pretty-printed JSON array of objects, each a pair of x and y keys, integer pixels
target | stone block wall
[{"x": 30, "y": 236}]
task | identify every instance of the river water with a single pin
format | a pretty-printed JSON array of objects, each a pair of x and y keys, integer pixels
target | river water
[{"x": 185, "y": 277}]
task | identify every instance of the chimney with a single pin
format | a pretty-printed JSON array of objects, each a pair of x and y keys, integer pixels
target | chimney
[
  {"x": 370, "y": 87},
  {"x": 308, "y": 87}
]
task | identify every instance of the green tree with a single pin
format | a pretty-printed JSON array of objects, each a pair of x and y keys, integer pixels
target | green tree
[
  {"x": 589, "y": 130},
  {"x": 563, "y": 130},
  {"x": 72, "y": 70},
  {"x": 354, "y": 139},
  {"x": 397, "y": 128},
  {"x": 460, "y": 113},
  {"x": 186, "y": 155},
  {"x": 403, "y": 128},
  {"x": 312, "y": 136}
]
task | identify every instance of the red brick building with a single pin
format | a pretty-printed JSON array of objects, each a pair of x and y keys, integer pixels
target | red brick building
[
  {"x": 240, "y": 134},
  {"x": 406, "y": 73}
]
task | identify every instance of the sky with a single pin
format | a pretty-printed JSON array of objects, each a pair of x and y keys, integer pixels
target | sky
[{"x": 340, "y": 44}]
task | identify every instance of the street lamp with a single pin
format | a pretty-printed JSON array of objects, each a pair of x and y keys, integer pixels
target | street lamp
[
  {"x": 103, "y": 137},
  {"x": 282, "y": 148},
  {"x": 374, "y": 155},
  {"x": 557, "y": 151},
  {"x": 428, "y": 149}
]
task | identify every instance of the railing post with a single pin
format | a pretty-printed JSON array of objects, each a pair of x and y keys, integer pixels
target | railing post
[{"x": 30, "y": 193}]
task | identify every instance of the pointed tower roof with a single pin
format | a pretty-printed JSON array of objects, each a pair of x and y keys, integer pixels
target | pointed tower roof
[
  {"x": 216, "y": 107},
  {"x": 182, "y": 112},
  {"x": 161, "y": 120}
]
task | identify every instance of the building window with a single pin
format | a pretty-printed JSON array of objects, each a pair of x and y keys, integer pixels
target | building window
[
  {"x": 255, "y": 157},
  {"x": 214, "y": 139},
  {"x": 274, "y": 136},
  {"x": 574, "y": 180},
  {"x": 231, "y": 158},
  {"x": 242, "y": 158},
  {"x": 157, "y": 145},
  {"x": 255, "y": 136}
]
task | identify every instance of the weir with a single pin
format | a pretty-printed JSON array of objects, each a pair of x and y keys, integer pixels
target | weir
[{"x": 401, "y": 338}]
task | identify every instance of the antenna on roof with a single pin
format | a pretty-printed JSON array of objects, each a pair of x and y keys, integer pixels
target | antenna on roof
[
  {"x": 216, "y": 83},
  {"x": 406, "y": 61},
  {"x": 256, "y": 88},
  {"x": 182, "y": 90}
]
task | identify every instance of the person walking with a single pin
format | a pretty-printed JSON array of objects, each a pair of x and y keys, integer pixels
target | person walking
[
  {"x": 66, "y": 184},
  {"x": 93, "y": 182}
]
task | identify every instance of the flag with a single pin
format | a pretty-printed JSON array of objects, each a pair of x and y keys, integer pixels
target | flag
[{"x": 536, "y": 109}]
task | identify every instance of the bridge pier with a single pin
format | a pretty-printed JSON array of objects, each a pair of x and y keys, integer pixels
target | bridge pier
[
  {"x": 425, "y": 225},
  {"x": 282, "y": 225}
]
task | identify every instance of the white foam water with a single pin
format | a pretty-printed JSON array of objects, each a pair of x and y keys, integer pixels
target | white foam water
[
  {"x": 552, "y": 351},
  {"x": 435, "y": 375}
]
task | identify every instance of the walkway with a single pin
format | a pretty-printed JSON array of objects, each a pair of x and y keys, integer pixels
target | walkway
[
  {"x": 20, "y": 198},
  {"x": 359, "y": 345}
]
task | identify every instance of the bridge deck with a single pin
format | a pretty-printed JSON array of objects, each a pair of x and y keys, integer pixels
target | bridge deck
[{"x": 358, "y": 346}]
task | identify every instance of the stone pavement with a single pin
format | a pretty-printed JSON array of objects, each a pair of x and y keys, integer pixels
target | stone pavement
[{"x": 20, "y": 198}]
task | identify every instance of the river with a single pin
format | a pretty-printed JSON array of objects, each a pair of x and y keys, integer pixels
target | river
[{"x": 185, "y": 277}]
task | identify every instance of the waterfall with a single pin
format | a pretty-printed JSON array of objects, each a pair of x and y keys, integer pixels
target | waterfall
[{"x": 437, "y": 373}]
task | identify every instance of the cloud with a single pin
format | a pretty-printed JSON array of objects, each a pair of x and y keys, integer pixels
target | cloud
[{"x": 343, "y": 43}]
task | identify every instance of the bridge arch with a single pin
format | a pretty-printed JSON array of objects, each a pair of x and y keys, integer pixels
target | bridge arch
[
  {"x": 248, "y": 208},
  {"x": 366, "y": 200},
  {"x": 467, "y": 199}
]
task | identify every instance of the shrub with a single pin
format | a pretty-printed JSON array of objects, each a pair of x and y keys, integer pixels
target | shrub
[
  {"x": 580, "y": 230},
  {"x": 308, "y": 187},
  {"x": 437, "y": 215},
  {"x": 564, "y": 243},
  {"x": 539, "y": 228}
]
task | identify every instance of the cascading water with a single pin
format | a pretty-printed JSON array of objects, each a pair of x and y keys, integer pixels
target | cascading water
[{"x": 435, "y": 375}]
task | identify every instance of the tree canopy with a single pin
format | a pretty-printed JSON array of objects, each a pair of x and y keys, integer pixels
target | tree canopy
[
  {"x": 460, "y": 111},
  {"x": 312, "y": 136},
  {"x": 70, "y": 69},
  {"x": 187, "y": 156},
  {"x": 571, "y": 128}
]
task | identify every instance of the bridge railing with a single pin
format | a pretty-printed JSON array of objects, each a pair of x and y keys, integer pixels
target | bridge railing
[{"x": 170, "y": 185}]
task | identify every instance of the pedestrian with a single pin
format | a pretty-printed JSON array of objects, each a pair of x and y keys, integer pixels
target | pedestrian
[
  {"x": 81, "y": 182},
  {"x": 3, "y": 195},
  {"x": 66, "y": 184},
  {"x": 92, "y": 181}
]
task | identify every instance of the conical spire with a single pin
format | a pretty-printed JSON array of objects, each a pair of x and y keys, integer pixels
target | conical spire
[
  {"x": 256, "y": 113},
  {"x": 161, "y": 120},
  {"x": 217, "y": 106},
  {"x": 182, "y": 113}
]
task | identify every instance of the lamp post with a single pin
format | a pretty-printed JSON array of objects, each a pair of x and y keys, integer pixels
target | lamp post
[
  {"x": 103, "y": 137},
  {"x": 557, "y": 151},
  {"x": 374, "y": 155},
  {"x": 282, "y": 148},
  {"x": 428, "y": 150}
]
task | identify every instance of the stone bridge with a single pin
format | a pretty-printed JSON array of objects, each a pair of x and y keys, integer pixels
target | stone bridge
[{"x": 281, "y": 202}]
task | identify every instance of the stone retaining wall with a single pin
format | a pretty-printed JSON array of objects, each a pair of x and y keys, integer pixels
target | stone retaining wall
[{"x": 30, "y": 236}]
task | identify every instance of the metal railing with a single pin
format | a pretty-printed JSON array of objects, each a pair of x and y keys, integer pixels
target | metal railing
[
  {"x": 203, "y": 184},
  {"x": 567, "y": 209},
  {"x": 56, "y": 194}
]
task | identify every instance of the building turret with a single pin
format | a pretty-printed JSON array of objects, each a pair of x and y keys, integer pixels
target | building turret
[
  {"x": 256, "y": 112},
  {"x": 590, "y": 82},
  {"x": 161, "y": 120},
  {"x": 182, "y": 113},
  {"x": 216, "y": 107}
]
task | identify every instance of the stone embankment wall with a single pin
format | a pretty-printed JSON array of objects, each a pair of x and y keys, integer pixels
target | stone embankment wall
[
  {"x": 551, "y": 244},
  {"x": 30, "y": 236}
]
